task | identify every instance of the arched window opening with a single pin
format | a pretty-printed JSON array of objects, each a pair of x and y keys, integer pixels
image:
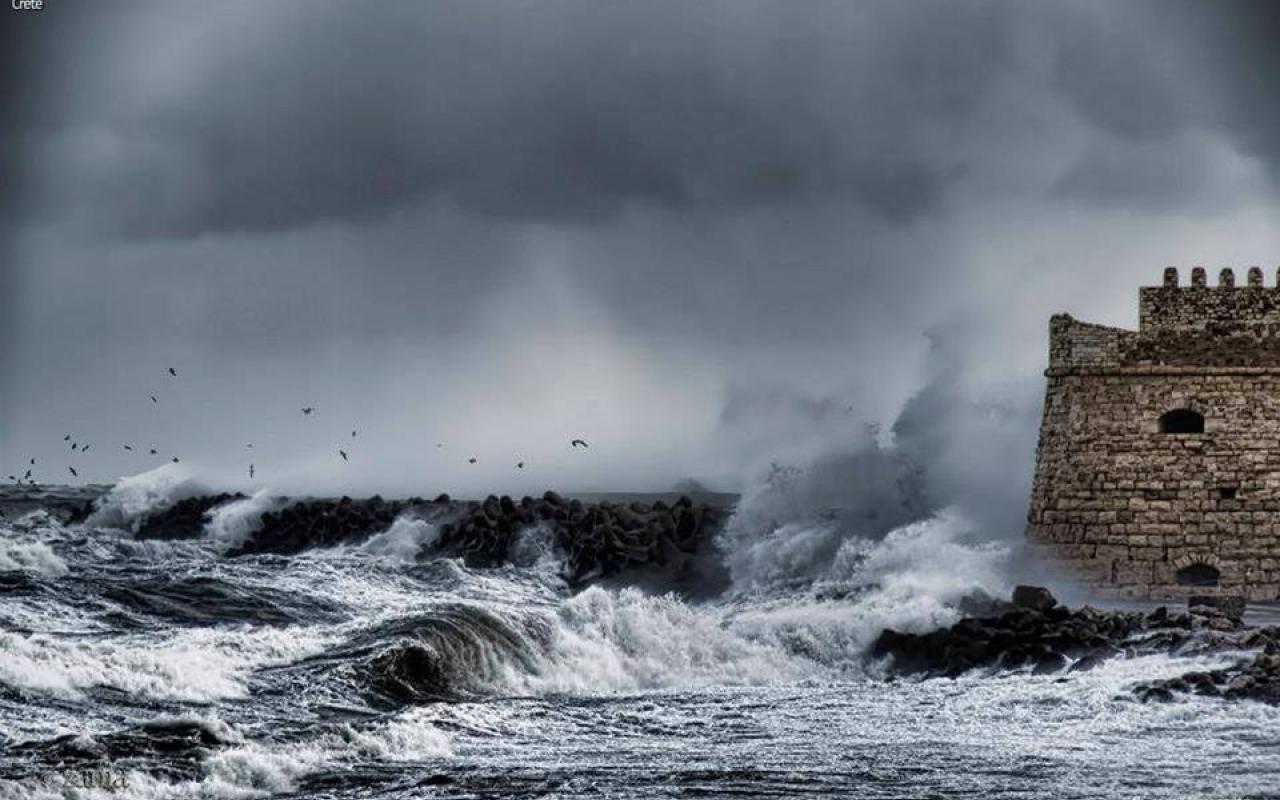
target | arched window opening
[
  {"x": 1181, "y": 420},
  {"x": 1197, "y": 575}
]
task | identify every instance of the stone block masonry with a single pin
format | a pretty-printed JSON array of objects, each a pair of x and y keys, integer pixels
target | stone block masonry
[{"x": 1158, "y": 466}]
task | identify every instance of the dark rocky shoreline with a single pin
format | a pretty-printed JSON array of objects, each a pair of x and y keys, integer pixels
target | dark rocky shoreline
[
  {"x": 595, "y": 540},
  {"x": 1032, "y": 632}
]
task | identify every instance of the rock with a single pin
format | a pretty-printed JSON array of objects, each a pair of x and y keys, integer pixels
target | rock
[
  {"x": 1230, "y": 606},
  {"x": 1048, "y": 663},
  {"x": 1046, "y": 636},
  {"x": 595, "y": 540},
  {"x": 1093, "y": 659},
  {"x": 319, "y": 523},
  {"x": 1036, "y": 598},
  {"x": 980, "y": 604},
  {"x": 184, "y": 519},
  {"x": 1256, "y": 678}
]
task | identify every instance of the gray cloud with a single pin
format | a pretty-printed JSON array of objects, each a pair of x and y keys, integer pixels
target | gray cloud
[
  {"x": 688, "y": 231},
  {"x": 264, "y": 119}
]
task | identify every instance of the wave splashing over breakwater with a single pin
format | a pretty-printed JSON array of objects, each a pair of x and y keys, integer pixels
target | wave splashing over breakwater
[{"x": 174, "y": 642}]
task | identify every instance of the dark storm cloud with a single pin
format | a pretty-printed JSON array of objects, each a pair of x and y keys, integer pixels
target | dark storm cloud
[
  {"x": 177, "y": 120},
  {"x": 1241, "y": 52},
  {"x": 279, "y": 117},
  {"x": 18, "y": 35},
  {"x": 1149, "y": 74}
]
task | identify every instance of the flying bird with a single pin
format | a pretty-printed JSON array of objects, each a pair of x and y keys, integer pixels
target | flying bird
[
  {"x": 471, "y": 460},
  {"x": 153, "y": 399},
  {"x": 175, "y": 459},
  {"x": 353, "y": 434},
  {"x": 343, "y": 453},
  {"x": 74, "y": 445},
  {"x": 153, "y": 451},
  {"x": 66, "y": 438},
  {"x": 27, "y": 476},
  {"x": 84, "y": 449},
  {"x": 173, "y": 372},
  {"x": 519, "y": 465},
  {"x": 577, "y": 443},
  {"x": 33, "y": 462},
  {"x": 307, "y": 410},
  {"x": 250, "y": 470},
  {"x": 12, "y": 478},
  {"x": 72, "y": 470},
  {"x": 127, "y": 447},
  {"x": 250, "y": 445}
]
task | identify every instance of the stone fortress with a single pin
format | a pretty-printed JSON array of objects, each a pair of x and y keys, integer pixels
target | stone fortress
[{"x": 1158, "y": 468}]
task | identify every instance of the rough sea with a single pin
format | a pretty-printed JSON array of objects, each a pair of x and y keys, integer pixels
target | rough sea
[{"x": 165, "y": 669}]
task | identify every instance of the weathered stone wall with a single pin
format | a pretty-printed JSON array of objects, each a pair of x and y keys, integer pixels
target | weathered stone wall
[{"x": 1122, "y": 506}]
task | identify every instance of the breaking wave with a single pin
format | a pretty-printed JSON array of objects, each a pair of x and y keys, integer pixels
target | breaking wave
[
  {"x": 404, "y": 540},
  {"x": 199, "y": 665},
  {"x": 31, "y": 557},
  {"x": 231, "y": 524},
  {"x": 132, "y": 499}
]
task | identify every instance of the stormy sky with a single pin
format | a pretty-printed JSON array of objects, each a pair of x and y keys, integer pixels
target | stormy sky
[{"x": 702, "y": 236}]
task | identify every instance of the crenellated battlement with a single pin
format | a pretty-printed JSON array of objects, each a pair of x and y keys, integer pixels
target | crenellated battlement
[
  {"x": 1223, "y": 310},
  {"x": 1180, "y": 326},
  {"x": 1226, "y": 278}
]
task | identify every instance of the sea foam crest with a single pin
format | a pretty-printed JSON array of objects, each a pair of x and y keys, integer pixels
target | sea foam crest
[
  {"x": 913, "y": 579},
  {"x": 626, "y": 640},
  {"x": 198, "y": 665},
  {"x": 231, "y": 524},
  {"x": 403, "y": 540},
  {"x": 31, "y": 557},
  {"x": 133, "y": 498},
  {"x": 247, "y": 768}
]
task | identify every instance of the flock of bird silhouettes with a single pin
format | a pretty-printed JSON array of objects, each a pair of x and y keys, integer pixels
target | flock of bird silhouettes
[{"x": 306, "y": 412}]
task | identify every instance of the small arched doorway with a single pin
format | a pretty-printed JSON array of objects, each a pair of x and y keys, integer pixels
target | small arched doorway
[
  {"x": 1181, "y": 420},
  {"x": 1198, "y": 575}
]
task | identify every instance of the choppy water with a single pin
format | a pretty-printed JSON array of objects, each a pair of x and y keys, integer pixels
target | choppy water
[{"x": 164, "y": 669}]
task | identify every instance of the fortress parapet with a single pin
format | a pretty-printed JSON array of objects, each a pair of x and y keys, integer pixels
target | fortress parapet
[
  {"x": 1225, "y": 308},
  {"x": 1158, "y": 466}
]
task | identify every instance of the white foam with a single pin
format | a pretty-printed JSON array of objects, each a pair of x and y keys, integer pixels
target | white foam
[
  {"x": 247, "y": 769},
  {"x": 788, "y": 526},
  {"x": 200, "y": 665},
  {"x": 406, "y": 537},
  {"x": 786, "y": 553},
  {"x": 918, "y": 573},
  {"x": 627, "y": 640},
  {"x": 231, "y": 524},
  {"x": 411, "y": 737},
  {"x": 31, "y": 557},
  {"x": 135, "y": 497}
]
